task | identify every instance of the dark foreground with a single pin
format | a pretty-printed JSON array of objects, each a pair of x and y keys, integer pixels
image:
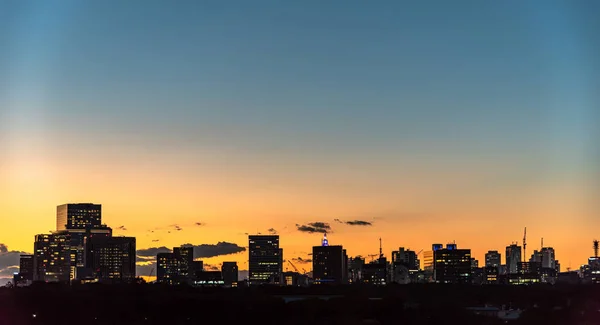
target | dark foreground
[{"x": 412, "y": 304}]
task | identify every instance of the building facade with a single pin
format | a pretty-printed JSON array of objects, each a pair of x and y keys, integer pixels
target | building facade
[
  {"x": 452, "y": 265},
  {"x": 513, "y": 258},
  {"x": 329, "y": 264},
  {"x": 229, "y": 272},
  {"x": 52, "y": 258},
  {"x": 26, "y": 267},
  {"x": 493, "y": 259},
  {"x": 265, "y": 260},
  {"x": 78, "y": 216},
  {"x": 111, "y": 259}
]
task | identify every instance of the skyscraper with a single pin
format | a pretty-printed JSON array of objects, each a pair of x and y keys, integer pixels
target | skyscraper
[
  {"x": 26, "y": 267},
  {"x": 265, "y": 259},
  {"x": 78, "y": 216},
  {"x": 404, "y": 265},
  {"x": 52, "y": 258},
  {"x": 548, "y": 258},
  {"x": 513, "y": 258},
  {"x": 329, "y": 264},
  {"x": 111, "y": 259},
  {"x": 452, "y": 265},
  {"x": 493, "y": 259},
  {"x": 185, "y": 255},
  {"x": 167, "y": 269},
  {"x": 229, "y": 272}
]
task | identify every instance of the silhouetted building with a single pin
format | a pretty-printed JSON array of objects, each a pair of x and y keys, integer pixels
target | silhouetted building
[
  {"x": 513, "y": 258},
  {"x": 405, "y": 266},
  {"x": 229, "y": 272},
  {"x": 295, "y": 279},
  {"x": 548, "y": 258},
  {"x": 376, "y": 272},
  {"x": 474, "y": 263},
  {"x": 355, "y": 266},
  {"x": 491, "y": 275},
  {"x": 51, "y": 258},
  {"x": 167, "y": 269},
  {"x": 265, "y": 259},
  {"x": 493, "y": 258},
  {"x": 185, "y": 255},
  {"x": 26, "y": 267},
  {"x": 197, "y": 266},
  {"x": 78, "y": 216},
  {"x": 111, "y": 259},
  {"x": 429, "y": 261},
  {"x": 452, "y": 265},
  {"x": 328, "y": 264}
]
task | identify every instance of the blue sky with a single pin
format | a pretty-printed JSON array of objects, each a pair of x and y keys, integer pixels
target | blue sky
[{"x": 376, "y": 90}]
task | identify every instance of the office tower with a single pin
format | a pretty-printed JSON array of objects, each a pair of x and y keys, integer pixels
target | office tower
[
  {"x": 167, "y": 268},
  {"x": 536, "y": 257},
  {"x": 474, "y": 263},
  {"x": 265, "y": 259},
  {"x": 52, "y": 258},
  {"x": 548, "y": 258},
  {"x": 452, "y": 265},
  {"x": 375, "y": 272},
  {"x": 355, "y": 266},
  {"x": 111, "y": 259},
  {"x": 328, "y": 264},
  {"x": 185, "y": 254},
  {"x": 404, "y": 264},
  {"x": 229, "y": 272},
  {"x": 493, "y": 259},
  {"x": 513, "y": 258},
  {"x": 78, "y": 216},
  {"x": 26, "y": 267}
]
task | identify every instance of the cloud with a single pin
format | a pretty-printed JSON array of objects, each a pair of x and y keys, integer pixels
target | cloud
[
  {"x": 210, "y": 267},
  {"x": 145, "y": 268},
  {"x": 199, "y": 224},
  {"x": 354, "y": 222},
  {"x": 9, "y": 271},
  {"x": 3, "y": 249},
  {"x": 152, "y": 251},
  {"x": 176, "y": 227},
  {"x": 9, "y": 258},
  {"x": 320, "y": 227},
  {"x": 155, "y": 240},
  {"x": 212, "y": 250},
  {"x": 272, "y": 231},
  {"x": 301, "y": 260},
  {"x": 122, "y": 228}
]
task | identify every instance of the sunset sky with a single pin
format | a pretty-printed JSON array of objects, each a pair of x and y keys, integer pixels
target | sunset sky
[{"x": 461, "y": 121}]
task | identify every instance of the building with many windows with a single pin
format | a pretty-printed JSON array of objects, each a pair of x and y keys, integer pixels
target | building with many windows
[
  {"x": 493, "y": 259},
  {"x": 229, "y": 272},
  {"x": 265, "y": 259},
  {"x": 329, "y": 264},
  {"x": 513, "y": 258},
  {"x": 452, "y": 265},
  {"x": 111, "y": 259},
  {"x": 52, "y": 258},
  {"x": 78, "y": 216}
]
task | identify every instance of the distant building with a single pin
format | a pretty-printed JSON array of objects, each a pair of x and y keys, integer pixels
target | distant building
[
  {"x": 51, "y": 258},
  {"x": 405, "y": 266},
  {"x": 111, "y": 259},
  {"x": 208, "y": 279},
  {"x": 329, "y": 264},
  {"x": 452, "y": 265},
  {"x": 355, "y": 266},
  {"x": 26, "y": 267},
  {"x": 548, "y": 258},
  {"x": 185, "y": 256},
  {"x": 376, "y": 272},
  {"x": 78, "y": 216},
  {"x": 429, "y": 261},
  {"x": 493, "y": 258},
  {"x": 167, "y": 269},
  {"x": 513, "y": 258},
  {"x": 229, "y": 273},
  {"x": 265, "y": 259},
  {"x": 474, "y": 263},
  {"x": 295, "y": 279}
]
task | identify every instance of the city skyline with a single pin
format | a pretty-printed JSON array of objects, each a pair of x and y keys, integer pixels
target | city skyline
[{"x": 200, "y": 123}]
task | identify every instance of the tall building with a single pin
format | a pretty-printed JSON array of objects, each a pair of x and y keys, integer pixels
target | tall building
[
  {"x": 429, "y": 261},
  {"x": 229, "y": 272},
  {"x": 185, "y": 254},
  {"x": 52, "y": 258},
  {"x": 452, "y": 265},
  {"x": 167, "y": 269},
  {"x": 329, "y": 264},
  {"x": 111, "y": 259},
  {"x": 548, "y": 258},
  {"x": 355, "y": 266},
  {"x": 493, "y": 259},
  {"x": 78, "y": 216},
  {"x": 404, "y": 265},
  {"x": 265, "y": 259},
  {"x": 26, "y": 267},
  {"x": 513, "y": 258}
]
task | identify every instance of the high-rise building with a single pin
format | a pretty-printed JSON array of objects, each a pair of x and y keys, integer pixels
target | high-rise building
[
  {"x": 185, "y": 254},
  {"x": 26, "y": 267},
  {"x": 452, "y": 265},
  {"x": 329, "y": 264},
  {"x": 429, "y": 261},
  {"x": 474, "y": 263},
  {"x": 52, "y": 258},
  {"x": 493, "y": 259},
  {"x": 355, "y": 266},
  {"x": 405, "y": 265},
  {"x": 265, "y": 259},
  {"x": 513, "y": 258},
  {"x": 111, "y": 259},
  {"x": 229, "y": 272},
  {"x": 78, "y": 216},
  {"x": 548, "y": 258},
  {"x": 167, "y": 268}
]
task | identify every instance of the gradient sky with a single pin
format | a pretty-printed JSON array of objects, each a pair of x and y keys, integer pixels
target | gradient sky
[{"x": 436, "y": 121}]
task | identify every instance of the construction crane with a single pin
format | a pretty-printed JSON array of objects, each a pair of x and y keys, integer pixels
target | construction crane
[
  {"x": 294, "y": 266},
  {"x": 524, "y": 243},
  {"x": 372, "y": 256},
  {"x": 596, "y": 246},
  {"x": 421, "y": 251},
  {"x": 151, "y": 272}
]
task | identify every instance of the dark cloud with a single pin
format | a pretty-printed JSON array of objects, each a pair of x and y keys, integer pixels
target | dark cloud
[
  {"x": 122, "y": 228},
  {"x": 9, "y": 271},
  {"x": 145, "y": 269},
  {"x": 320, "y": 227},
  {"x": 152, "y": 251},
  {"x": 199, "y": 224},
  {"x": 354, "y": 222},
  {"x": 155, "y": 240},
  {"x": 212, "y": 250},
  {"x": 8, "y": 258},
  {"x": 272, "y": 231},
  {"x": 301, "y": 260},
  {"x": 210, "y": 267}
]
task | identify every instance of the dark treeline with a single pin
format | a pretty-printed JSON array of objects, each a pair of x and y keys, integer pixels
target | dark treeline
[{"x": 394, "y": 304}]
